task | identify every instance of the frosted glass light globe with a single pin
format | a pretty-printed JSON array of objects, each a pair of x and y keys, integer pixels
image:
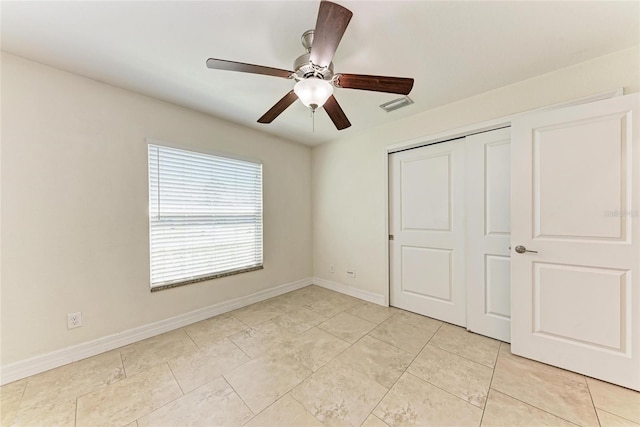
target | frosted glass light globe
[{"x": 313, "y": 92}]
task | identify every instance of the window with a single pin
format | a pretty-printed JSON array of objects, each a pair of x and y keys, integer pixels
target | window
[{"x": 205, "y": 216}]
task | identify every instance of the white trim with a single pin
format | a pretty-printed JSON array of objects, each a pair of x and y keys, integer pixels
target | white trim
[
  {"x": 351, "y": 291},
  {"x": 54, "y": 359},
  {"x": 387, "y": 266},
  {"x": 461, "y": 132},
  {"x": 201, "y": 150},
  {"x": 493, "y": 123}
]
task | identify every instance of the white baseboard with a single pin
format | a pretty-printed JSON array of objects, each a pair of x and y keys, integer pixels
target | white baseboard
[
  {"x": 351, "y": 291},
  {"x": 54, "y": 359}
]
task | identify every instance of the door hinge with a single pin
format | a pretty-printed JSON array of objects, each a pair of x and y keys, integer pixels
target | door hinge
[{"x": 390, "y": 236}]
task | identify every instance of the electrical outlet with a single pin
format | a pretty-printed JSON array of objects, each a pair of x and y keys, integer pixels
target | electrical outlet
[
  {"x": 352, "y": 273},
  {"x": 332, "y": 269},
  {"x": 74, "y": 320}
]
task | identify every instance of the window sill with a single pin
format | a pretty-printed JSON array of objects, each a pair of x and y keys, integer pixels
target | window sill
[{"x": 204, "y": 278}]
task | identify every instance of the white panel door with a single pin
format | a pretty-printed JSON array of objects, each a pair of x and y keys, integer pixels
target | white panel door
[
  {"x": 427, "y": 222},
  {"x": 575, "y": 302},
  {"x": 488, "y": 200}
]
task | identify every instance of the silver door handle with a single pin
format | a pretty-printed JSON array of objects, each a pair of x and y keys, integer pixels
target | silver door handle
[{"x": 521, "y": 249}]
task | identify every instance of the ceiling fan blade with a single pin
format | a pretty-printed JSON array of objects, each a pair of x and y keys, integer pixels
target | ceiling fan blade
[
  {"x": 330, "y": 26},
  {"x": 277, "y": 109},
  {"x": 336, "y": 114},
  {"x": 221, "y": 64},
  {"x": 401, "y": 85}
]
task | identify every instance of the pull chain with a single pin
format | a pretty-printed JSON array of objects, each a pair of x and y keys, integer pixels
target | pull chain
[{"x": 313, "y": 117}]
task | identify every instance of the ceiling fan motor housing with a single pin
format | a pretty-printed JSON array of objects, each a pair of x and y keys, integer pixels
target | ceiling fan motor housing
[{"x": 303, "y": 66}]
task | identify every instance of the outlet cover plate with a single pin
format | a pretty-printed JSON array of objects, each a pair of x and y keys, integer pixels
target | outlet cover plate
[{"x": 74, "y": 320}]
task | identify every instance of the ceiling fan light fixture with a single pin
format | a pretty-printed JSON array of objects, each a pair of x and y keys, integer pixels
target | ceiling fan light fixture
[
  {"x": 313, "y": 71},
  {"x": 313, "y": 92}
]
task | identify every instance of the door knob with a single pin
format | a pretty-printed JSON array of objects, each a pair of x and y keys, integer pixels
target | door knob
[{"x": 521, "y": 249}]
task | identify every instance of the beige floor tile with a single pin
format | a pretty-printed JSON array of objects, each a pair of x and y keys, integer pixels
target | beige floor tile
[
  {"x": 299, "y": 320},
  {"x": 398, "y": 333},
  {"x": 338, "y": 395},
  {"x": 610, "y": 420},
  {"x": 262, "y": 381},
  {"x": 289, "y": 301},
  {"x": 47, "y": 414},
  {"x": 467, "y": 344},
  {"x": 292, "y": 300},
  {"x": 505, "y": 411},
  {"x": 373, "y": 421},
  {"x": 312, "y": 349},
  {"x": 414, "y": 402},
  {"x": 10, "y": 397},
  {"x": 286, "y": 412},
  {"x": 206, "y": 364},
  {"x": 213, "y": 404},
  {"x": 331, "y": 304},
  {"x": 505, "y": 351},
  {"x": 156, "y": 350},
  {"x": 372, "y": 312},
  {"x": 347, "y": 327},
  {"x": 291, "y": 368},
  {"x": 261, "y": 338},
  {"x": 558, "y": 395},
  {"x": 616, "y": 400},
  {"x": 15, "y": 388},
  {"x": 376, "y": 359},
  {"x": 319, "y": 292},
  {"x": 213, "y": 330},
  {"x": 459, "y": 376},
  {"x": 70, "y": 381},
  {"x": 129, "y": 399},
  {"x": 419, "y": 321},
  {"x": 257, "y": 313},
  {"x": 310, "y": 293}
]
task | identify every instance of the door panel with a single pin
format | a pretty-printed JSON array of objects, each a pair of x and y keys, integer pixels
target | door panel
[
  {"x": 425, "y": 193},
  {"x": 427, "y": 222},
  {"x": 488, "y": 228},
  {"x": 497, "y": 179},
  {"x": 575, "y": 192},
  {"x": 559, "y": 189},
  {"x": 497, "y": 287},
  {"x": 605, "y": 290},
  {"x": 420, "y": 265}
]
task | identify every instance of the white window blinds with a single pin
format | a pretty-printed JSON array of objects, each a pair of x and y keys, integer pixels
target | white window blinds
[{"x": 205, "y": 215}]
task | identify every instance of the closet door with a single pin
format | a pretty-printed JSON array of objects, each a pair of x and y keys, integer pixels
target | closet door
[
  {"x": 575, "y": 221},
  {"x": 427, "y": 223},
  {"x": 487, "y": 202}
]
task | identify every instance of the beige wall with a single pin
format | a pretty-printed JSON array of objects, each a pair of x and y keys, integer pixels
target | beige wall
[
  {"x": 74, "y": 208},
  {"x": 348, "y": 176},
  {"x": 74, "y": 197}
]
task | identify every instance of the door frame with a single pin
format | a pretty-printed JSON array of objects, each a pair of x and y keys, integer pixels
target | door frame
[{"x": 456, "y": 133}]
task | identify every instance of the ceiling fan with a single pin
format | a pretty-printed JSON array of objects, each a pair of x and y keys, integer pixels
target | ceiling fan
[{"x": 314, "y": 70}]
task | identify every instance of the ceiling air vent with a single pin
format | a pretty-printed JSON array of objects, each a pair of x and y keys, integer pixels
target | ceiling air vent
[{"x": 396, "y": 103}]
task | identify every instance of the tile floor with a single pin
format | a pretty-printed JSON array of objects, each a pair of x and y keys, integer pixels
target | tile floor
[{"x": 314, "y": 357}]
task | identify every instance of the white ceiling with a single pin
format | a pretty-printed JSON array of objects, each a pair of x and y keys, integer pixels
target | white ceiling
[{"x": 452, "y": 49}]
